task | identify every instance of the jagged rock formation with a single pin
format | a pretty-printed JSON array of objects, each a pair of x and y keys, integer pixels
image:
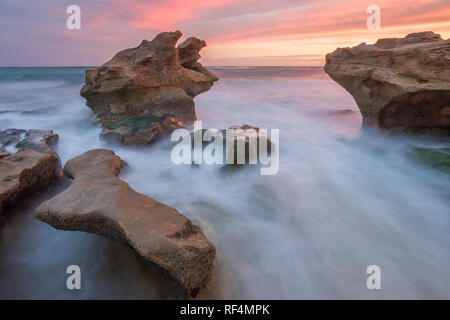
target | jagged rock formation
[
  {"x": 398, "y": 83},
  {"x": 34, "y": 167},
  {"x": 145, "y": 92},
  {"x": 99, "y": 202}
]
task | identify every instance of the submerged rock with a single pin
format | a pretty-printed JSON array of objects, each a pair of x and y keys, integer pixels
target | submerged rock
[
  {"x": 243, "y": 138},
  {"x": 437, "y": 158},
  {"x": 398, "y": 83},
  {"x": 34, "y": 167},
  {"x": 249, "y": 137},
  {"x": 156, "y": 78},
  {"x": 342, "y": 112},
  {"x": 99, "y": 202}
]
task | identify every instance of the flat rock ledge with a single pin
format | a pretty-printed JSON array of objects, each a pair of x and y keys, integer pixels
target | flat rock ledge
[
  {"x": 99, "y": 202},
  {"x": 144, "y": 93},
  {"x": 31, "y": 166},
  {"x": 398, "y": 84}
]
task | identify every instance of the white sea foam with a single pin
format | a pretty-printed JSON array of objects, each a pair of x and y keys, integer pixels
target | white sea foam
[{"x": 341, "y": 201}]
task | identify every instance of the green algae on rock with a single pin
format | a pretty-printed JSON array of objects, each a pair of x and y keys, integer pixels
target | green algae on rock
[
  {"x": 438, "y": 158},
  {"x": 139, "y": 129},
  {"x": 136, "y": 122},
  {"x": 22, "y": 144}
]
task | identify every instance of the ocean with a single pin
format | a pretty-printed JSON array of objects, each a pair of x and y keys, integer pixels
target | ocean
[{"x": 344, "y": 198}]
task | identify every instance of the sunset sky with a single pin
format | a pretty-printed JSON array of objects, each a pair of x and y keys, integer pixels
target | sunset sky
[{"x": 238, "y": 32}]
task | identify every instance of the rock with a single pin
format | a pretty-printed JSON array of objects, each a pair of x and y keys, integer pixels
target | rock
[
  {"x": 398, "y": 83},
  {"x": 10, "y": 136},
  {"x": 156, "y": 78},
  {"x": 437, "y": 158},
  {"x": 34, "y": 167},
  {"x": 140, "y": 129},
  {"x": 3, "y": 154},
  {"x": 188, "y": 53},
  {"x": 42, "y": 141},
  {"x": 247, "y": 135},
  {"x": 342, "y": 112},
  {"x": 244, "y": 134},
  {"x": 99, "y": 202}
]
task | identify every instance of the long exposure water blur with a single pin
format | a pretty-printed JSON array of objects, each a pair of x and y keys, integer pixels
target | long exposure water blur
[{"x": 344, "y": 198}]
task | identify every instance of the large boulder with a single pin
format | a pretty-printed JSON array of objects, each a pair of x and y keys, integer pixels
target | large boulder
[
  {"x": 31, "y": 167},
  {"x": 140, "y": 88},
  {"x": 398, "y": 83},
  {"x": 99, "y": 202}
]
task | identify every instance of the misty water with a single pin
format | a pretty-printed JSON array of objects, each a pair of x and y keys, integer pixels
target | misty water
[{"x": 343, "y": 198}]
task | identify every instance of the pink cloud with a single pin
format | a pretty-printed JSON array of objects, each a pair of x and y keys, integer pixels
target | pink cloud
[{"x": 239, "y": 26}]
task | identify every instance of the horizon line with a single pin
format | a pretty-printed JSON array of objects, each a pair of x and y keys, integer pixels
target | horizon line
[{"x": 217, "y": 66}]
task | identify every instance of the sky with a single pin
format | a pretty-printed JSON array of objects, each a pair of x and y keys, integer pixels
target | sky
[{"x": 237, "y": 32}]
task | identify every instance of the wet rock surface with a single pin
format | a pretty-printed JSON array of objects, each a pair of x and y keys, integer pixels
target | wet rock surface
[
  {"x": 139, "y": 129},
  {"x": 99, "y": 202},
  {"x": 30, "y": 167}
]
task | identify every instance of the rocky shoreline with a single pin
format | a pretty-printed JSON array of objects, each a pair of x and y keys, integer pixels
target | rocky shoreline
[
  {"x": 142, "y": 94},
  {"x": 34, "y": 167}
]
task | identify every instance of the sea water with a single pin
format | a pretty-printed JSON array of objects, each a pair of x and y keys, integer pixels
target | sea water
[{"x": 344, "y": 198}]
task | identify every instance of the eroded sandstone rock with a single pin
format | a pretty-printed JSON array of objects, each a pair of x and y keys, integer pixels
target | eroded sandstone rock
[
  {"x": 156, "y": 78},
  {"x": 398, "y": 83},
  {"x": 34, "y": 167},
  {"x": 99, "y": 202}
]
